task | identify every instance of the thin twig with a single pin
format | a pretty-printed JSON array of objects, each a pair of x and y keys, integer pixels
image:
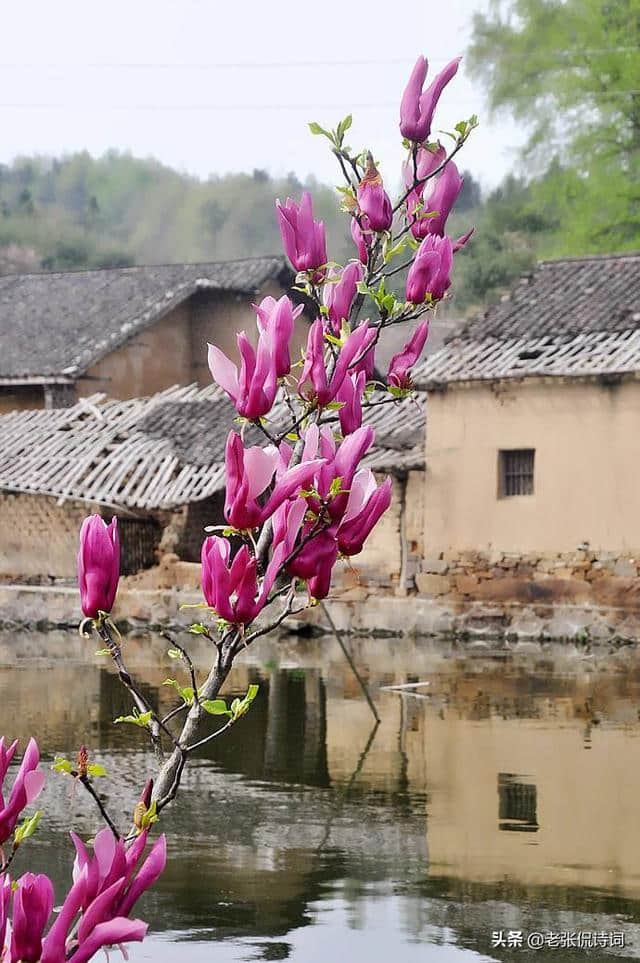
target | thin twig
[
  {"x": 186, "y": 657},
  {"x": 212, "y": 735},
  {"x": 86, "y": 782}
]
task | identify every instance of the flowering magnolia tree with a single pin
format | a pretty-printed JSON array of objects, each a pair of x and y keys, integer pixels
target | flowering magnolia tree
[{"x": 294, "y": 507}]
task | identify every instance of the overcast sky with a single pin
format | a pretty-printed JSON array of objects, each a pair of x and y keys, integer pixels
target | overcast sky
[{"x": 210, "y": 87}]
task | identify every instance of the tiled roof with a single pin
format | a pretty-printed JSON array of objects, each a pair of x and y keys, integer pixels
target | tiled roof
[
  {"x": 570, "y": 317},
  {"x": 57, "y": 325},
  {"x": 160, "y": 452},
  {"x": 566, "y": 297}
]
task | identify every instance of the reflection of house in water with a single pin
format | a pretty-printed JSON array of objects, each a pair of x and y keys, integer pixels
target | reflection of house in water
[{"x": 520, "y": 797}]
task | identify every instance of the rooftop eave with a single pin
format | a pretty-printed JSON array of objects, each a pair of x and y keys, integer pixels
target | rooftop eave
[
  {"x": 38, "y": 380},
  {"x": 596, "y": 377}
]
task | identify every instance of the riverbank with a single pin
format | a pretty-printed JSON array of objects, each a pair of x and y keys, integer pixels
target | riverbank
[{"x": 354, "y": 611}]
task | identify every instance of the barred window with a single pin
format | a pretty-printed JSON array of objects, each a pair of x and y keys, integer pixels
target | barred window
[
  {"x": 517, "y": 803},
  {"x": 515, "y": 472}
]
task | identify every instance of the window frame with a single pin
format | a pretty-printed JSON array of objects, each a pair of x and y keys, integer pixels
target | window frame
[{"x": 524, "y": 476}]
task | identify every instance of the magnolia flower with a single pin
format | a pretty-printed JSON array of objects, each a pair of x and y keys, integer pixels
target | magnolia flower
[
  {"x": 439, "y": 201},
  {"x": 417, "y": 107},
  {"x": 398, "y": 375},
  {"x": 277, "y": 319},
  {"x": 313, "y": 384},
  {"x": 362, "y": 236},
  {"x": 104, "y": 891},
  {"x": 98, "y": 565},
  {"x": 27, "y": 786},
  {"x": 430, "y": 272},
  {"x": 32, "y": 905},
  {"x": 427, "y": 161},
  {"x": 253, "y": 389},
  {"x": 249, "y": 472},
  {"x": 350, "y": 394},
  {"x": 303, "y": 239},
  {"x": 373, "y": 200},
  {"x": 339, "y": 295},
  {"x": 366, "y": 504},
  {"x": 232, "y": 589}
]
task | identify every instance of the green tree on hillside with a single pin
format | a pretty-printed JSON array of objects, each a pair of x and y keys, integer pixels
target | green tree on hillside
[{"x": 569, "y": 70}]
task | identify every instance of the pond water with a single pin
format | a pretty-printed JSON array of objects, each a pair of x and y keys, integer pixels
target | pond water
[{"x": 498, "y": 801}]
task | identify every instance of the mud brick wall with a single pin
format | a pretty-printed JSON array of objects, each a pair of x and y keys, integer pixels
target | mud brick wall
[
  {"x": 609, "y": 579},
  {"x": 38, "y": 537}
]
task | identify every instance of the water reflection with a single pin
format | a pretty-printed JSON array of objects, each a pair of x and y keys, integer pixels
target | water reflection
[{"x": 504, "y": 795}]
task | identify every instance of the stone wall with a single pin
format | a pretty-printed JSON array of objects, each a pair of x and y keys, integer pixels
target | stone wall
[{"x": 596, "y": 594}]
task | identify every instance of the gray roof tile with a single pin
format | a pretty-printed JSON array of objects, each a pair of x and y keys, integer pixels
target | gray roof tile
[{"x": 56, "y": 325}]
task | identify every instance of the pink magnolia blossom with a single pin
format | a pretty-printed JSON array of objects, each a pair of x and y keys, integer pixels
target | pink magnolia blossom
[
  {"x": 462, "y": 240},
  {"x": 350, "y": 394},
  {"x": 27, "y": 786},
  {"x": 313, "y": 383},
  {"x": 427, "y": 161},
  {"x": 232, "y": 589},
  {"x": 366, "y": 504},
  {"x": 339, "y": 462},
  {"x": 277, "y": 318},
  {"x": 417, "y": 107},
  {"x": 430, "y": 272},
  {"x": 303, "y": 239},
  {"x": 373, "y": 200},
  {"x": 399, "y": 374},
  {"x": 339, "y": 295},
  {"x": 249, "y": 472},
  {"x": 5, "y": 899},
  {"x": 253, "y": 389},
  {"x": 32, "y": 905},
  {"x": 362, "y": 236},
  {"x": 98, "y": 565},
  {"x": 104, "y": 891},
  {"x": 314, "y": 563},
  {"x": 439, "y": 201}
]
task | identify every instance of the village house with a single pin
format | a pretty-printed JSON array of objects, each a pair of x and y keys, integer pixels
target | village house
[
  {"x": 533, "y": 447},
  {"x": 127, "y": 332},
  {"x": 158, "y": 463}
]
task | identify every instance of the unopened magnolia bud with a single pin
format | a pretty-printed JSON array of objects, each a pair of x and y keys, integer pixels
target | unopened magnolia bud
[
  {"x": 138, "y": 815},
  {"x": 82, "y": 761}
]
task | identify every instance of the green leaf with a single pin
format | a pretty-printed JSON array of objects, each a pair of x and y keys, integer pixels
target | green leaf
[
  {"x": 198, "y": 628},
  {"x": 150, "y": 817},
  {"x": 336, "y": 486},
  {"x": 292, "y": 436},
  {"x": 27, "y": 828},
  {"x": 103, "y": 652},
  {"x": 252, "y": 692},
  {"x": 335, "y": 405},
  {"x": 215, "y": 707},
  {"x": 141, "y": 719},
  {"x": 174, "y": 654},
  {"x": 362, "y": 288},
  {"x": 331, "y": 338},
  {"x": 240, "y": 706},
  {"x": 317, "y": 129},
  {"x": 60, "y": 764},
  {"x": 96, "y": 770},
  {"x": 186, "y": 693}
]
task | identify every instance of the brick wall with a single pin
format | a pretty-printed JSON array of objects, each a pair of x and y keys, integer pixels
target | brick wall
[{"x": 38, "y": 537}]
